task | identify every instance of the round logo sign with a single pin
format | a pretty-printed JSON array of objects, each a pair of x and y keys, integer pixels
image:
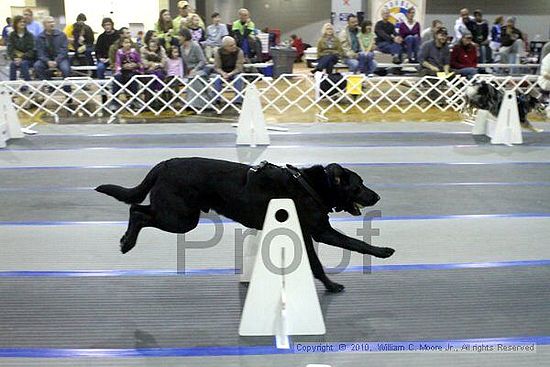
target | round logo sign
[{"x": 398, "y": 9}]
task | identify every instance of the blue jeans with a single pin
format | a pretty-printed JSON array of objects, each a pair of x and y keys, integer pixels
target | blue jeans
[
  {"x": 363, "y": 64},
  {"x": 485, "y": 54},
  {"x": 43, "y": 72},
  {"x": 327, "y": 63},
  {"x": 370, "y": 64},
  {"x": 392, "y": 48},
  {"x": 23, "y": 67},
  {"x": 412, "y": 44},
  {"x": 101, "y": 67},
  {"x": 238, "y": 85},
  {"x": 467, "y": 72}
]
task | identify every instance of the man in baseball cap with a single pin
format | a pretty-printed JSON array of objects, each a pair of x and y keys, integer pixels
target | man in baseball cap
[
  {"x": 434, "y": 55},
  {"x": 184, "y": 17}
]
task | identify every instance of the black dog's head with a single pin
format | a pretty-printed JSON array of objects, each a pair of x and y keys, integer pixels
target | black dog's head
[{"x": 349, "y": 192}]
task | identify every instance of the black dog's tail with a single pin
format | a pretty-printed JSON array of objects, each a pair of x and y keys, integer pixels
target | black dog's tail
[{"x": 132, "y": 195}]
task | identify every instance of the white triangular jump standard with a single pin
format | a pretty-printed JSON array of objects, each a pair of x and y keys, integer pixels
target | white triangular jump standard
[
  {"x": 3, "y": 134},
  {"x": 282, "y": 299},
  {"x": 252, "y": 129},
  {"x": 10, "y": 128},
  {"x": 507, "y": 128},
  {"x": 250, "y": 250}
]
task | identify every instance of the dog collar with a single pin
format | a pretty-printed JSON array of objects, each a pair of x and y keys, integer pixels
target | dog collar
[{"x": 300, "y": 178}]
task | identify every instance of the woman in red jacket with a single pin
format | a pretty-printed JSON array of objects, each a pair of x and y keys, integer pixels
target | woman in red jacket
[
  {"x": 298, "y": 45},
  {"x": 464, "y": 57}
]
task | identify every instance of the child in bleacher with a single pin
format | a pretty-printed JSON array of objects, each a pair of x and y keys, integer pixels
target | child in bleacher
[
  {"x": 197, "y": 32},
  {"x": 174, "y": 64},
  {"x": 174, "y": 69},
  {"x": 127, "y": 64},
  {"x": 366, "y": 39}
]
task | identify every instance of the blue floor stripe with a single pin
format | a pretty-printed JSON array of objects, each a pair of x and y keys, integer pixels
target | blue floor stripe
[
  {"x": 333, "y": 220},
  {"x": 232, "y": 271},
  {"x": 218, "y": 351},
  {"x": 346, "y": 164}
]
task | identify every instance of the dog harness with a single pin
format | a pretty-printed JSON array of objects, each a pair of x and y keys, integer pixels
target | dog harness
[
  {"x": 295, "y": 172},
  {"x": 297, "y": 175}
]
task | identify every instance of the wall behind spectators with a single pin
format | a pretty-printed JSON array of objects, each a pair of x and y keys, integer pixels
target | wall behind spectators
[
  {"x": 227, "y": 8},
  {"x": 5, "y": 9},
  {"x": 56, "y": 7},
  {"x": 305, "y": 17},
  {"x": 533, "y": 16},
  {"x": 123, "y": 12}
]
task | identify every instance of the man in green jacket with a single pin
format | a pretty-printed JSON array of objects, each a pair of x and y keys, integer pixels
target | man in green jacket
[{"x": 244, "y": 32}]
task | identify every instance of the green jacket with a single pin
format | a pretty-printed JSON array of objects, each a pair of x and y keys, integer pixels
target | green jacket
[
  {"x": 21, "y": 47},
  {"x": 329, "y": 47},
  {"x": 239, "y": 27},
  {"x": 345, "y": 40},
  {"x": 367, "y": 41}
]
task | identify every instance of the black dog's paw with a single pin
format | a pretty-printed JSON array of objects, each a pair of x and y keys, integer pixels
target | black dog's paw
[
  {"x": 334, "y": 287},
  {"x": 126, "y": 245},
  {"x": 384, "y": 252}
]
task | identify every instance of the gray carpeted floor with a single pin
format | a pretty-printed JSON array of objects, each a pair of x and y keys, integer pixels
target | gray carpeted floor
[
  {"x": 228, "y": 139},
  {"x": 204, "y": 311},
  {"x": 418, "y": 170},
  {"x": 67, "y": 195}
]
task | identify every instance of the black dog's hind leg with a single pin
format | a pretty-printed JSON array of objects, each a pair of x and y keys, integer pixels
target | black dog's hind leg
[
  {"x": 180, "y": 220},
  {"x": 140, "y": 217},
  {"x": 317, "y": 267},
  {"x": 334, "y": 238}
]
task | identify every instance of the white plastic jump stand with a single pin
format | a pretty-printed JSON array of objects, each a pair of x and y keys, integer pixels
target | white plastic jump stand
[
  {"x": 252, "y": 130},
  {"x": 481, "y": 122},
  {"x": 282, "y": 299},
  {"x": 507, "y": 128},
  {"x": 9, "y": 121},
  {"x": 250, "y": 250},
  {"x": 318, "y": 78},
  {"x": 3, "y": 134}
]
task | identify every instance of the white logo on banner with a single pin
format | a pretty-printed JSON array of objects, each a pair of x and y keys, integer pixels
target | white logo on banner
[
  {"x": 341, "y": 9},
  {"x": 398, "y": 10}
]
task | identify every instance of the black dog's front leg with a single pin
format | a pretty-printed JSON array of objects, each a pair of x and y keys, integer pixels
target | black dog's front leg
[
  {"x": 317, "y": 267},
  {"x": 334, "y": 238}
]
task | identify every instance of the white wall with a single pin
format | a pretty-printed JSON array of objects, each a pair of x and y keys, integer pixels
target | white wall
[
  {"x": 227, "y": 8},
  {"x": 310, "y": 33},
  {"x": 5, "y": 9},
  {"x": 122, "y": 12}
]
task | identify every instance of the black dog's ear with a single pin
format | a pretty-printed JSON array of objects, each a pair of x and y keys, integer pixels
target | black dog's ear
[{"x": 335, "y": 173}]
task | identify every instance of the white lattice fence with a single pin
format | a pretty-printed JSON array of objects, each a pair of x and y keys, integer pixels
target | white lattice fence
[{"x": 300, "y": 93}]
